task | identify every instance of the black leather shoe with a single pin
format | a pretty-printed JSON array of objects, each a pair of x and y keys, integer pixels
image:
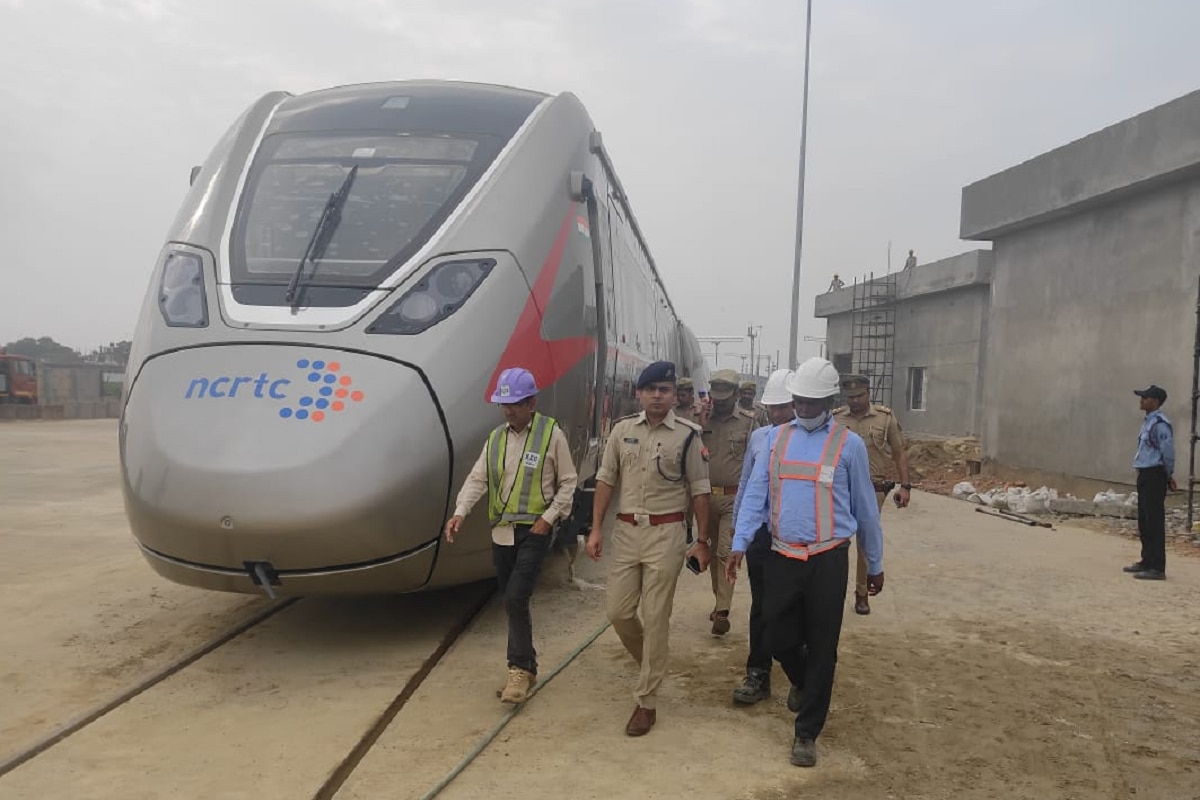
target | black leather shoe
[
  {"x": 804, "y": 752},
  {"x": 1150, "y": 575},
  {"x": 1137, "y": 566}
]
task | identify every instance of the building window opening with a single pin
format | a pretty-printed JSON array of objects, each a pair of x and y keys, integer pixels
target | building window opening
[{"x": 916, "y": 388}]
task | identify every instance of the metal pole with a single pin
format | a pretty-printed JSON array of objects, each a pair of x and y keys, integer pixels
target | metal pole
[
  {"x": 792, "y": 343},
  {"x": 1195, "y": 396}
]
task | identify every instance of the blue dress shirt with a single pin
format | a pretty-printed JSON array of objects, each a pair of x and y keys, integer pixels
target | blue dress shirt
[
  {"x": 1156, "y": 444},
  {"x": 855, "y": 507}
]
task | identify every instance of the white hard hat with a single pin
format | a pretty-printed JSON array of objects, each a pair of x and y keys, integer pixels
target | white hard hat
[
  {"x": 776, "y": 393},
  {"x": 815, "y": 378}
]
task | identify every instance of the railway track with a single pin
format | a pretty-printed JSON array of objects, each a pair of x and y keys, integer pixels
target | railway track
[{"x": 453, "y": 627}]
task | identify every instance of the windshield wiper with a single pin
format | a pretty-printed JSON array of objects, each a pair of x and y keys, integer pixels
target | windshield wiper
[{"x": 331, "y": 215}]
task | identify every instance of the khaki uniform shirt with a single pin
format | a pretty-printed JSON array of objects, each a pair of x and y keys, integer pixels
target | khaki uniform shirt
[
  {"x": 690, "y": 413},
  {"x": 558, "y": 479},
  {"x": 726, "y": 439},
  {"x": 645, "y": 464},
  {"x": 880, "y": 431}
]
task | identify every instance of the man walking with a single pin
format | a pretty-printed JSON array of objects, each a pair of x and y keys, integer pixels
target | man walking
[
  {"x": 815, "y": 490},
  {"x": 880, "y": 432},
  {"x": 527, "y": 473},
  {"x": 726, "y": 433},
  {"x": 1155, "y": 465},
  {"x": 756, "y": 685},
  {"x": 656, "y": 461}
]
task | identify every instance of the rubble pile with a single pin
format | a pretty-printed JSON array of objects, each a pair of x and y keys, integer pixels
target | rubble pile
[{"x": 1011, "y": 497}]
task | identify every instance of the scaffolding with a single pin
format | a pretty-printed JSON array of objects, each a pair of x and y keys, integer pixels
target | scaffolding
[{"x": 874, "y": 321}]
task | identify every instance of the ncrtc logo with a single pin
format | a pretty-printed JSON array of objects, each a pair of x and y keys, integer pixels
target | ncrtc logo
[{"x": 329, "y": 390}]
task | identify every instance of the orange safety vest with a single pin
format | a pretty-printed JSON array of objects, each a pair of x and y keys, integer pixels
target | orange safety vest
[{"x": 821, "y": 474}]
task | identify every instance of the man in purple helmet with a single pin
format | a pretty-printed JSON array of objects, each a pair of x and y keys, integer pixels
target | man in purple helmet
[{"x": 526, "y": 472}]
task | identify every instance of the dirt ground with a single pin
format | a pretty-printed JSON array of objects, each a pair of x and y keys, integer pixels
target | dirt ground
[
  {"x": 83, "y": 614},
  {"x": 1001, "y": 661}
]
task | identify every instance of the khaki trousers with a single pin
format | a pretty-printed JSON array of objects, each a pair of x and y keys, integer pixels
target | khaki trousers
[
  {"x": 860, "y": 572},
  {"x": 645, "y": 568},
  {"x": 720, "y": 528}
]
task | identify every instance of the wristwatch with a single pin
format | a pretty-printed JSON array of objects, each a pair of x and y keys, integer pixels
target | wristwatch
[
  {"x": 705, "y": 542},
  {"x": 906, "y": 486}
]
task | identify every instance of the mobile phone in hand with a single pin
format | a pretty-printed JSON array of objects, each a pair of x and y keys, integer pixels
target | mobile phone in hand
[{"x": 693, "y": 564}]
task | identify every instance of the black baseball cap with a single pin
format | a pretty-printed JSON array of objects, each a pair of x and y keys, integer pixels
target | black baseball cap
[{"x": 1157, "y": 392}]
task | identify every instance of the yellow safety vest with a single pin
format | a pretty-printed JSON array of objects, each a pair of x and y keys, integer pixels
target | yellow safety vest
[{"x": 524, "y": 502}]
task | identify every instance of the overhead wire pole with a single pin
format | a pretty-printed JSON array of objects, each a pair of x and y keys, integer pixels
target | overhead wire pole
[{"x": 792, "y": 342}]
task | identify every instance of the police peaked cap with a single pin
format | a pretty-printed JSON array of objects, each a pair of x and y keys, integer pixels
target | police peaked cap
[{"x": 658, "y": 372}]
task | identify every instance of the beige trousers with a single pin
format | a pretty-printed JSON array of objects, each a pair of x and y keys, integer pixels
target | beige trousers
[
  {"x": 860, "y": 573},
  {"x": 645, "y": 568},
  {"x": 720, "y": 528}
]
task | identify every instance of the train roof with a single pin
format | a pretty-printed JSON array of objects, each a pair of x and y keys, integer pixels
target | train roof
[{"x": 427, "y": 104}]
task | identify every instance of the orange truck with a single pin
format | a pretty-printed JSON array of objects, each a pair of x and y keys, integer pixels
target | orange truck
[{"x": 18, "y": 379}]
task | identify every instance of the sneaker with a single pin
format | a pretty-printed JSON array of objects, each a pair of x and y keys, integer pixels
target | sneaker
[
  {"x": 1150, "y": 575},
  {"x": 1137, "y": 566},
  {"x": 753, "y": 689},
  {"x": 804, "y": 752},
  {"x": 519, "y": 683},
  {"x": 795, "y": 695}
]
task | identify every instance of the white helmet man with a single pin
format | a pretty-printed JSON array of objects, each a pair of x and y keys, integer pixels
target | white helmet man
[
  {"x": 813, "y": 489},
  {"x": 813, "y": 386}
]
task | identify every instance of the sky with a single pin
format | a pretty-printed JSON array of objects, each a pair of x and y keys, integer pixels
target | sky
[{"x": 107, "y": 104}]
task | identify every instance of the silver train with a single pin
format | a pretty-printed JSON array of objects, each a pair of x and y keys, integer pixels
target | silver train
[{"x": 348, "y": 273}]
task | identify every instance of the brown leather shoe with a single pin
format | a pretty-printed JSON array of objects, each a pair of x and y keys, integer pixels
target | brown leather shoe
[
  {"x": 861, "y": 606},
  {"x": 641, "y": 722}
]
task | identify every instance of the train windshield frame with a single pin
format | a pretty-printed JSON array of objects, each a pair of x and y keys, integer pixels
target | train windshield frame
[{"x": 407, "y": 185}]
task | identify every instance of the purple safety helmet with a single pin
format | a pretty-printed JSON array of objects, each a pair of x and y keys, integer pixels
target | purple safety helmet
[{"x": 514, "y": 385}]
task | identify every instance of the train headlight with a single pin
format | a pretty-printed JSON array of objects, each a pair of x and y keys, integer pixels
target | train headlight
[
  {"x": 181, "y": 291},
  {"x": 433, "y": 298}
]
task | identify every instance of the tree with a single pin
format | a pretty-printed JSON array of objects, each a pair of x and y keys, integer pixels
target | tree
[{"x": 43, "y": 348}]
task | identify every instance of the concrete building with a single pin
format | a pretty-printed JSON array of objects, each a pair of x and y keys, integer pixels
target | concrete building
[
  {"x": 1090, "y": 291},
  {"x": 941, "y": 320},
  {"x": 1097, "y": 255}
]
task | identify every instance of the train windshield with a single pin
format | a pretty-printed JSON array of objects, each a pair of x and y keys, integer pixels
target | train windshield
[{"x": 405, "y": 188}]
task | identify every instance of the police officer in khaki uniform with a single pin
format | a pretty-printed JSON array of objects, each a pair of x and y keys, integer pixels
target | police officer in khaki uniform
[
  {"x": 654, "y": 462},
  {"x": 747, "y": 391},
  {"x": 880, "y": 431},
  {"x": 727, "y": 430},
  {"x": 685, "y": 399}
]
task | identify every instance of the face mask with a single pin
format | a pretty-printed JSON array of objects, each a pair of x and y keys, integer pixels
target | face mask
[{"x": 810, "y": 424}]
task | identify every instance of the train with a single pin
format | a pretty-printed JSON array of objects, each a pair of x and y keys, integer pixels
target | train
[{"x": 348, "y": 273}]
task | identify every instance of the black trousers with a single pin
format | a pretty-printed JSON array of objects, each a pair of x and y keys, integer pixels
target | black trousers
[
  {"x": 804, "y": 605},
  {"x": 517, "y": 569},
  {"x": 756, "y": 559},
  {"x": 1152, "y": 516}
]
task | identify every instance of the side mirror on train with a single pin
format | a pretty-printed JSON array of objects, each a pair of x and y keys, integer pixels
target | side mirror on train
[{"x": 195, "y": 172}]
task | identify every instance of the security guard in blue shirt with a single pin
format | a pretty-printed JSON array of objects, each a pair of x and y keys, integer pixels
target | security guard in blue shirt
[{"x": 1155, "y": 465}]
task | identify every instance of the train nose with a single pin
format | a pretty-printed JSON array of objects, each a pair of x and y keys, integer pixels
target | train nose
[{"x": 307, "y": 459}]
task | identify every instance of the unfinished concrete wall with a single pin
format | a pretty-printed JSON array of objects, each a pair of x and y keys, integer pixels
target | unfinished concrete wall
[
  {"x": 1086, "y": 309},
  {"x": 1097, "y": 248},
  {"x": 941, "y": 322},
  {"x": 78, "y": 391},
  {"x": 943, "y": 334}
]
